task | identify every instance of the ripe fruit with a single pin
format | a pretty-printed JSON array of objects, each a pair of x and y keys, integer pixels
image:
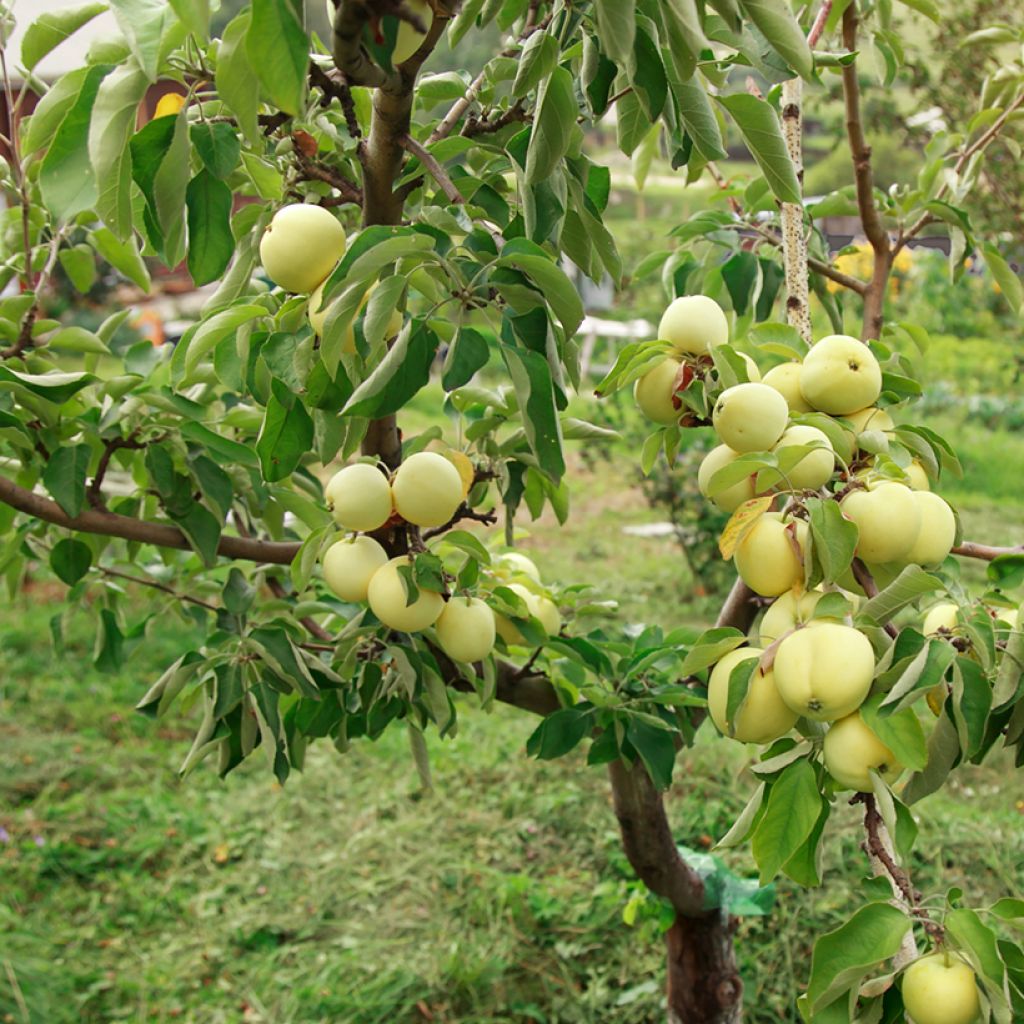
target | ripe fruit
[
  {"x": 937, "y": 532},
  {"x": 540, "y": 607},
  {"x": 785, "y": 612},
  {"x": 732, "y": 497},
  {"x": 888, "y": 518},
  {"x": 840, "y": 376},
  {"x": 941, "y": 989},
  {"x": 409, "y": 38},
  {"x": 300, "y": 246},
  {"x": 512, "y": 563},
  {"x": 871, "y": 418},
  {"x": 763, "y": 716},
  {"x": 940, "y": 616},
  {"x": 852, "y": 752},
  {"x": 769, "y": 559},
  {"x": 318, "y": 318},
  {"x": 753, "y": 373},
  {"x": 824, "y": 672},
  {"x": 350, "y": 564},
  {"x": 466, "y": 629},
  {"x": 359, "y": 498},
  {"x": 389, "y": 600},
  {"x": 464, "y": 464},
  {"x": 694, "y": 324},
  {"x": 785, "y": 378},
  {"x": 750, "y": 417},
  {"x": 917, "y": 477},
  {"x": 654, "y": 390},
  {"x": 427, "y": 489},
  {"x": 815, "y": 469}
]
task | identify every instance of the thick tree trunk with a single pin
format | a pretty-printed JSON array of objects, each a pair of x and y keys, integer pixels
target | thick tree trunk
[{"x": 703, "y": 984}]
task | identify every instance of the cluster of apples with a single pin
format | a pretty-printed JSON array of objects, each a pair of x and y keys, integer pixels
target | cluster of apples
[
  {"x": 425, "y": 491},
  {"x": 299, "y": 250}
]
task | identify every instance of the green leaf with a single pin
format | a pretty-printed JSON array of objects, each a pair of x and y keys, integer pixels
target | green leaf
[
  {"x": 552, "y": 127},
  {"x": 709, "y": 647},
  {"x": 210, "y": 242},
  {"x": 978, "y": 941},
  {"x": 79, "y": 264},
  {"x": 54, "y": 387},
  {"x": 223, "y": 448},
  {"x": 1008, "y": 281},
  {"x": 531, "y": 378},
  {"x": 123, "y": 256},
  {"x": 76, "y": 339},
  {"x": 739, "y": 687},
  {"x": 759, "y": 126},
  {"x": 218, "y": 145},
  {"x": 200, "y": 340},
  {"x": 793, "y": 808},
  {"x": 656, "y": 748},
  {"x": 631, "y": 122},
  {"x": 616, "y": 28},
  {"x": 41, "y": 125},
  {"x": 683, "y": 17},
  {"x": 113, "y": 120},
  {"x": 159, "y": 166},
  {"x": 66, "y": 176},
  {"x": 467, "y": 354},
  {"x": 238, "y": 593},
  {"x": 64, "y": 477},
  {"x": 286, "y": 435},
  {"x": 70, "y": 560},
  {"x": 842, "y": 957},
  {"x": 900, "y": 732},
  {"x": 911, "y": 583},
  {"x": 399, "y": 375},
  {"x": 699, "y": 119},
  {"x": 558, "y": 290},
  {"x": 833, "y": 536},
  {"x": 777, "y": 24},
  {"x": 49, "y": 30},
  {"x": 928, "y": 8},
  {"x": 558, "y": 733},
  {"x": 194, "y": 15},
  {"x": 143, "y": 23},
  {"x": 278, "y": 51},
  {"x": 536, "y": 62},
  {"x": 235, "y": 79},
  {"x": 202, "y": 528}
]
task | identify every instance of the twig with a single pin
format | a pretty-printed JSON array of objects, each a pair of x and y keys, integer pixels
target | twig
[
  {"x": 462, "y": 512},
  {"x": 985, "y": 552},
  {"x": 94, "y": 494},
  {"x": 484, "y": 126},
  {"x": 862, "y": 574},
  {"x": 24, "y": 340},
  {"x": 313, "y": 171},
  {"x": 433, "y": 167},
  {"x": 145, "y": 581},
  {"x": 339, "y": 89}
]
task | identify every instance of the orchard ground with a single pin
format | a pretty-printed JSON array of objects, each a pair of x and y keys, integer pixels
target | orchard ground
[{"x": 129, "y": 895}]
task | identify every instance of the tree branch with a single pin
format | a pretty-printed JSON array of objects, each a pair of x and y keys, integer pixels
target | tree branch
[
  {"x": 311, "y": 626},
  {"x": 144, "y": 581},
  {"x": 350, "y": 56},
  {"x": 870, "y": 217},
  {"x": 111, "y": 524},
  {"x": 462, "y": 512},
  {"x": 94, "y": 494},
  {"x": 24, "y": 340},
  {"x": 985, "y": 552},
  {"x": 862, "y": 574},
  {"x": 433, "y": 167},
  {"x": 739, "y": 608},
  {"x": 311, "y": 170}
]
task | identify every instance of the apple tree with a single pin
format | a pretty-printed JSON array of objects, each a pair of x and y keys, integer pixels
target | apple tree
[{"x": 365, "y": 221}]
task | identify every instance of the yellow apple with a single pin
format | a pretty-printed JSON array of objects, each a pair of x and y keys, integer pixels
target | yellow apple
[
  {"x": 767, "y": 558},
  {"x": 301, "y": 245},
  {"x": 852, "y": 752},
  {"x": 941, "y": 989},
  {"x": 786, "y": 612},
  {"x": 888, "y": 519},
  {"x": 389, "y": 600},
  {"x": 359, "y": 497},
  {"x": 694, "y": 324},
  {"x": 937, "y": 533},
  {"x": 785, "y": 378},
  {"x": 169, "y": 103},
  {"x": 427, "y": 489},
  {"x": 815, "y": 469},
  {"x": 514, "y": 563},
  {"x": 540, "y": 607},
  {"x": 750, "y": 417},
  {"x": 654, "y": 390},
  {"x": 409, "y": 38},
  {"x": 824, "y": 672},
  {"x": 840, "y": 375},
  {"x": 871, "y": 418},
  {"x": 318, "y": 317},
  {"x": 350, "y": 564},
  {"x": 466, "y": 629},
  {"x": 917, "y": 477},
  {"x": 732, "y": 497},
  {"x": 762, "y": 716},
  {"x": 940, "y": 616}
]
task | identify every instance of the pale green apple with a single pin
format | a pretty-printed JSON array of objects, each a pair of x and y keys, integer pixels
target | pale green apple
[
  {"x": 769, "y": 558},
  {"x": 389, "y": 600},
  {"x": 937, "y": 533},
  {"x": 359, "y": 497},
  {"x": 941, "y": 989},
  {"x": 350, "y": 564},
  {"x": 888, "y": 519},
  {"x": 654, "y": 392},
  {"x": 733, "y": 496},
  {"x": 427, "y": 489},
  {"x": 840, "y": 376},
  {"x": 750, "y": 417},
  {"x": 815, "y": 469},
  {"x": 301, "y": 245},
  {"x": 694, "y": 324},
  {"x": 763, "y": 717},
  {"x": 785, "y": 378},
  {"x": 466, "y": 629},
  {"x": 852, "y": 752}
]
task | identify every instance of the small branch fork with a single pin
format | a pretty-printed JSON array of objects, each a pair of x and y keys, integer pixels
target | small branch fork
[
  {"x": 463, "y": 512},
  {"x": 94, "y": 494}
]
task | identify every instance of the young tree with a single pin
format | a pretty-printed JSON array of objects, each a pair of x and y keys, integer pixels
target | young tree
[{"x": 399, "y": 215}]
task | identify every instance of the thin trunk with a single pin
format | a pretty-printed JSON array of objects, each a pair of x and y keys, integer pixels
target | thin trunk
[{"x": 704, "y": 985}]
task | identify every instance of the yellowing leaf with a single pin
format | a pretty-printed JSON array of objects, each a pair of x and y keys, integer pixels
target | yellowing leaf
[{"x": 740, "y": 523}]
